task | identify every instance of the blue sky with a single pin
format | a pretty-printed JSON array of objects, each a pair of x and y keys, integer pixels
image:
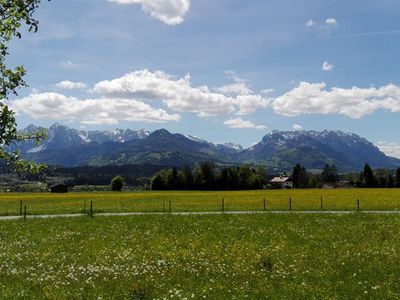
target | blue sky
[{"x": 223, "y": 70}]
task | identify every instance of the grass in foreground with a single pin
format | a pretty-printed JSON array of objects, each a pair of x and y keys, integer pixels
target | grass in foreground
[
  {"x": 217, "y": 257},
  {"x": 46, "y": 203}
]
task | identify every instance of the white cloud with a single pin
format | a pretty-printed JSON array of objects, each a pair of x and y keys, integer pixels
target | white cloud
[
  {"x": 249, "y": 104},
  {"x": 390, "y": 149},
  {"x": 180, "y": 96},
  {"x": 242, "y": 124},
  {"x": 70, "y": 85},
  {"x": 170, "y": 12},
  {"x": 267, "y": 91},
  {"x": 326, "y": 66},
  {"x": 297, "y": 127},
  {"x": 237, "y": 88},
  {"x": 310, "y": 23},
  {"x": 313, "y": 98},
  {"x": 331, "y": 22},
  {"x": 69, "y": 65},
  {"x": 176, "y": 94},
  {"x": 54, "y": 106}
]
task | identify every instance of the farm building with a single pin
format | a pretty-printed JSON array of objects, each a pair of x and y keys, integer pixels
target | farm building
[
  {"x": 342, "y": 184},
  {"x": 59, "y": 188},
  {"x": 282, "y": 182}
]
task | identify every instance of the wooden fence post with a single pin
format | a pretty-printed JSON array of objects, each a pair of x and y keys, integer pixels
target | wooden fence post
[
  {"x": 25, "y": 212},
  {"x": 265, "y": 205},
  {"x": 322, "y": 203},
  {"x": 163, "y": 205},
  {"x": 84, "y": 205},
  {"x": 20, "y": 207},
  {"x": 290, "y": 204},
  {"x": 91, "y": 208},
  {"x": 358, "y": 204},
  {"x": 223, "y": 205}
]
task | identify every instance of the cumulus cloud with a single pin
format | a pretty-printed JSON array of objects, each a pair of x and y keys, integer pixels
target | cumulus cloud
[
  {"x": 171, "y": 12},
  {"x": 242, "y": 124},
  {"x": 176, "y": 94},
  {"x": 310, "y": 23},
  {"x": 69, "y": 65},
  {"x": 179, "y": 95},
  {"x": 55, "y": 106},
  {"x": 239, "y": 86},
  {"x": 326, "y": 66},
  {"x": 297, "y": 127},
  {"x": 70, "y": 85},
  {"x": 331, "y": 22},
  {"x": 390, "y": 149},
  {"x": 314, "y": 98},
  {"x": 249, "y": 104},
  {"x": 267, "y": 91}
]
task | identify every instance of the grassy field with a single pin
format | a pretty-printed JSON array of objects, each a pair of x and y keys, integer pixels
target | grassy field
[
  {"x": 195, "y": 257},
  {"x": 44, "y": 203}
]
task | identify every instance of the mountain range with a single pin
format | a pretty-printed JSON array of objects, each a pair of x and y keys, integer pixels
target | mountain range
[{"x": 278, "y": 150}]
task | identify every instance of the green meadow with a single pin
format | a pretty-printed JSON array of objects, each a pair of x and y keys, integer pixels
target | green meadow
[
  {"x": 46, "y": 203},
  {"x": 260, "y": 256},
  {"x": 354, "y": 256}
]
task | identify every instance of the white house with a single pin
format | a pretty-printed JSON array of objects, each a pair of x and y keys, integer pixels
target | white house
[{"x": 282, "y": 182}]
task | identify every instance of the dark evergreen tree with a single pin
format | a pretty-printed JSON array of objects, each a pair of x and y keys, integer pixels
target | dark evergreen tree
[
  {"x": 382, "y": 182},
  {"x": 296, "y": 175},
  {"x": 207, "y": 175},
  {"x": 188, "y": 177},
  {"x": 390, "y": 182},
  {"x": 330, "y": 174},
  {"x": 369, "y": 178},
  {"x": 158, "y": 182},
  {"x": 245, "y": 173},
  {"x": 299, "y": 177},
  {"x": 398, "y": 178},
  {"x": 172, "y": 182}
]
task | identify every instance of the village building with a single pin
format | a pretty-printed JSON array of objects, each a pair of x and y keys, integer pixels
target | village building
[{"x": 282, "y": 182}]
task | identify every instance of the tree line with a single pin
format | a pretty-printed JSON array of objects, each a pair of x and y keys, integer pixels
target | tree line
[
  {"x": 207, "y": 177},
  {"x": 367, "y": 178}
]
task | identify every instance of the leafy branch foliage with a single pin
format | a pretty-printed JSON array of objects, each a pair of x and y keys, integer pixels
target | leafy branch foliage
[{"x": 13, "y": 15}]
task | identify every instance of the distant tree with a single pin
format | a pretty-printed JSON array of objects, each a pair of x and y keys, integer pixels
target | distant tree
[
  {"x": 207, "y": 175},
  {"x": 188, "y": 176},
  {"x": 397, "y": 184},
  {"x": 259, "y": 179},
  {"x": 299, "y": 177},
  {"x": 368, "y": 176},
  {"x": 117, "y": 183},
  {"x": 172, "y": 181},
  {"x": 382, "y": 182},
  {"x": 390, "y": 182},
  {"x": 233, "y": 182},
  {"x": 295, "y": 175},
  {"x": 158, "y": 182},
  {"x": 262, "y": 172},
  {"x": 330, "y": 174},
  {"x": 315, "y": 181},
  {"x": 245, "y": 173}
]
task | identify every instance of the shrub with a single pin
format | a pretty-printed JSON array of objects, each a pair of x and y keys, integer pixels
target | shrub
[{"x": 117, "y": 183}]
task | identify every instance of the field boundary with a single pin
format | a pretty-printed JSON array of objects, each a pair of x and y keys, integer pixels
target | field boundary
[{"x": 277, "y": 212}]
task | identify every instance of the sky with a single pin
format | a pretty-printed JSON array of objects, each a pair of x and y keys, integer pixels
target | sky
[{"x": 221, "y": 70}]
